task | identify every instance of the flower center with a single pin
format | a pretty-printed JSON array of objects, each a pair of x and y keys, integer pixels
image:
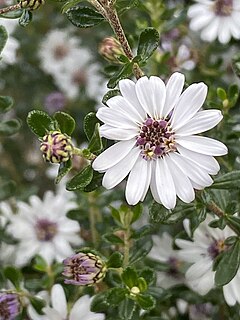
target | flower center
[
  {"x": 45, "y": 229},
  {"x": 216, "y": 248},
  {"x": 156, "y": 139},
  {"x": 60, "y": 52},
  {"x": 223, "y": 8},
  {"x": 174, "y": 265},
  {"x": 79, "y": 77}
]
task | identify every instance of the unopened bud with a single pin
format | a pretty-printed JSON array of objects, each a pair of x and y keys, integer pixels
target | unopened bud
[
  {"x": 111, "y": 49},
  {"x": 56, "y": 147},
  {"x": 9, "y": 306},
  {"x": 31, "y": 4},
  {"x": 84, "y": 269}
]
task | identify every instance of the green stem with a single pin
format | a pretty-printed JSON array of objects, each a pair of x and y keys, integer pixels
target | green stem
[
  {"x": 93, "y": 218},
  {"x": 126, "y": 249},
  {"x": 81, "y": 153}
]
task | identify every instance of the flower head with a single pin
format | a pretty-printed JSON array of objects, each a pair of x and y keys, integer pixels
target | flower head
[
  {"x": 9, "y": 306},
  {"x": 156, "y": 126},
  {"x": 56, "y": 147},
  {"x": 216, "y": 19},
  {"x": 84, "y": 269},
  {"x": 111, "y": 49}
]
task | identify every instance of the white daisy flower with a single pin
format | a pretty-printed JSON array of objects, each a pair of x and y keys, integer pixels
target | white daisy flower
[
  {"x": 59, "y": 309},
  {"x": 156, "y": 126},
  {"x": 43, "y": 228},
  {"x": 216, "y": 19},
  {"x": 163, "y": 251},
  {"x": 207, "y": 244}
]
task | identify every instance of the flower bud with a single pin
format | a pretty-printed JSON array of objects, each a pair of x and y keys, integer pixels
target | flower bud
[
  {"x": 31, "y": 4},
  {"x": 9, "y": 305},
  {"x": 84, "y": 269},
  {"x": 56, "y": 147},
  {"x": 111, "y": 49}
]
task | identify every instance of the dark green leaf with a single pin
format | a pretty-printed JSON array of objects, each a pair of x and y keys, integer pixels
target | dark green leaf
[
  {"x": 40, "y": 264},
  {"x": 124, "y": 72},
  {"x": 64, "y": 168},
  {"x": 228, "y": 265},
  {"x": 126, "y": 309},
  {"x": 115, "y": 214},
  {"x": 148, "y": 274},
  {"x": 37, "y": 304},
  {"x": 25, "y": 18},
  {"x": 95, "y": 182},
  {"x": 234, "y": 221},
  {"x": 116, "y": 295},
  {"x": 143, "y": 231},
  {"x": 40, "y": 122},
  {"x": 84, "y": 17},
  {"x": 99, "y": 302},
  {"x": 6, "y": 103},
  {"x": 130, "y": 277},
  {"x": 112, "y": 238},
  {"x": 14, "y": 275},
  {"x": 7, "y": 189},
  {"x": 230, "y": 180},
  {"x": 12, "y": 14},
  {"x": 115, "y": 260},
  {"x": 65, "y": 121},
  {"x": 81, "y": 180},
  {"x": 110, "y": 94},
  {"x": 148, "y": 43},
  {"x": 145, "y": 301},
  {"x": 89, "y": 124},
  {"x": 140, "y": 249},
  {"x": 95, "y": 144},
  {"x": 10, "y": 127},
  {"x": 137, "y": 211},
  {"x": 3, "y": 37},
  {"x": 218, "y": 223}
]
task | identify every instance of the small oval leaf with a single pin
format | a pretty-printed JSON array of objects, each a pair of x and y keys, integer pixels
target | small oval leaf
[
  {"x": 84, "y": 17},
  {"x": 81, "y": 180}
]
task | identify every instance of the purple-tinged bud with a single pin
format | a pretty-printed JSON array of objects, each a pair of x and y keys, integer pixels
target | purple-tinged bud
[
  {"x": 56, "y": 147},
  {"x": 84, "y": 269},
  {"x": 111, "y": 49},
  {"x": 9, "y": 306}
]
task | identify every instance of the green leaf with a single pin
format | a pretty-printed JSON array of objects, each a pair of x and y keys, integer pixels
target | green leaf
[
  {"x": 110, "y": 94},
  {"x": 145, "y": 301},
  {"x": 99, "y": 302},
  {"x": 148, "y": 43},
  {"x": 143, "y": 231},
  {"x": 112, "y": 238},
  {"x": 65, "y": 121},
  {"x": 137, "y": 211},
  {"x": 14, "y": 275},
  {"x": 140, "y": 249},
  {"x": 233, "y": 221},
  {"x": 130, "y": 277},
  {"x": 64, "y": 168},
  {"x": 221, "y": 94},
  {"x": 12, "y": 14},
  {"x": 124, "y": 72},
  {"x": 142, "y": 284},
  {"x": 95, "y": 144},
  {"x": 81, "y": 180},
  {"x": 84, "y": 17},
  {"x": 10, "y": 127},
  {"x": 25, "y": 18},
  {"x": 228, "y": 265},
  {"x": 218, "y": 223},
  {"x": 38, "y": 304},
  {"x": 126, "y": 309},
  {"x": 7, "y": 189},
  {"x": 115, "y": 260},
  {"x": 40, "y": 264},
  {"x": 95, "y": 182},
  {"x": 230, "y": 180},
  {"x": 40, "y": 122},
  {"x": 89, "y": 124},
  {"x": 148, "y": 274},
  {"x": 3, "y": 37},
  {"x": 116, "y": 295},
  {"x": 6, "y": 103}
]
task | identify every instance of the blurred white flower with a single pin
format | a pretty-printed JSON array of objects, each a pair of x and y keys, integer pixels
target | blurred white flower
[
  {"x": 9, "y": 53},
  {"x": 59, "y": 309},
  {"x": 43, "y": 228},
  {"x": 162, "y": 251},
  {"x": 207, "y": 244},
  {"x": 216, "y": 19},
  {"x": 156, "y": 125}
]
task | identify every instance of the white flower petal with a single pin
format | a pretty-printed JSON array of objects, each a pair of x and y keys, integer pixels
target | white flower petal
[
  {"x": 58, "y": 299},
  {"x": 224, "y": 32},
  {"x": 203, "y": 145},
  {"x": 115, "y": 119},
  {"x": 158, "y": 96},
  {"x": 204, "y": 284},
  {"x": 52, "y": 314},
  {"x": 231, "y": 290},
  {"x": 117, "y": 173},
  {"x": 174, "y": 89},
  {"x": 210, "y": 32},
  {"x": 128, "y": 91},
  {"x": 202, "y": 121},
  {"x": 208, "y": 163},
  {"x": 201, "y": 20},
  {"x": 119, "y": 134},
  {"x": 183, "y": 186},
  {"x": 165, "y": 185},
  {"x": 113, "y": 155},
  {"x": 137, "y": 181},
  {"x": 189, "y": 103}
]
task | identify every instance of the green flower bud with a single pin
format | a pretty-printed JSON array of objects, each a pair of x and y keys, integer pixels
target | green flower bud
[
  {"x": 56, "y": 147},
  {"x": 111, "y": 49},
  {"x": 31, "y": 4}
]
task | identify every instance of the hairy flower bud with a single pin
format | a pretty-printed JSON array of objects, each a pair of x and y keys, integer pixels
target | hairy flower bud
[
  {"x": 31, "y": 4},
  {"x": 84, "y": 269},
  {"x": 111, "y": 49},
  {"x": 56, "y": 147},
  {"x": 9, "y": 305}
]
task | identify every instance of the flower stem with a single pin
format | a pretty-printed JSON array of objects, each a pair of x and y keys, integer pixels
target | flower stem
[
  {"x": 81, "y": 153},
  {"x": 93, "y": 218},
  {"x": 106, "y": 8},
  {"x": 10, "y": 8},
  {"x": 126, "y": 248}
]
